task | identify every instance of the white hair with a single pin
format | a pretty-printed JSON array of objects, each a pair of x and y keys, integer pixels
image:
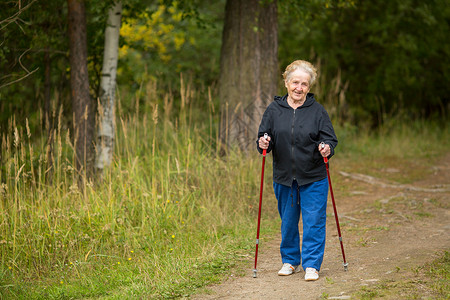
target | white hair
[{"x": 301, "y": 65}]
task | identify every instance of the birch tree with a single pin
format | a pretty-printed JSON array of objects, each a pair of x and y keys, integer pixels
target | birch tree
[{"x": 106, "y": 128}]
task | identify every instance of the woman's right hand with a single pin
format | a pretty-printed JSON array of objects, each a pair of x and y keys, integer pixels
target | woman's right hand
[{"x": 264, "y": 143}]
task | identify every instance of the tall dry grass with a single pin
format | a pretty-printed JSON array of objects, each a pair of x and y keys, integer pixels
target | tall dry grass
[{"x": 168, "y": 210}]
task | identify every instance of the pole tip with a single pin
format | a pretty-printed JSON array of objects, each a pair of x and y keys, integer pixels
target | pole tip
[
  {"x": 345, "y": 267},
  {"x": 254, "y": 273}
]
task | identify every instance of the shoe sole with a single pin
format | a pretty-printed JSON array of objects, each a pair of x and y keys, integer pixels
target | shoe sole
[
  {"x": 293, "y": 272},
  {"x": 312, "y": 279}
]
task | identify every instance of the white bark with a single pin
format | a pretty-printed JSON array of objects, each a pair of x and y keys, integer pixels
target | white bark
[{"x": 106, "y": 129}]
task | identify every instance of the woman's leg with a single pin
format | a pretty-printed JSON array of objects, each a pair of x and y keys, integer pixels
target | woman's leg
[
  {"x": 313, "y": 202},
  {"x": 289, "y": 210}
]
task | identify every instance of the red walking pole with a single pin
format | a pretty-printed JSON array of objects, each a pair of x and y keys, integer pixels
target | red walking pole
[
  {"x": 325, "y": 160},
  {"x": 260, "y": 204}
]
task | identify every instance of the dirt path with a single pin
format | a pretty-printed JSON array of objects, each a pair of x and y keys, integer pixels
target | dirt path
[{"x": 390, "y": 231}]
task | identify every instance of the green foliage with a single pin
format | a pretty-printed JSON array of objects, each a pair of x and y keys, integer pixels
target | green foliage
[
  {"x": 41, "y": 30},
  {"x": 392, "y": 54},
  {"x": 24, "y": 45},
  {"x": 159, "y": 40},
  {"x": 170, "y": 38},
  {"x": 376, "y": 60}
]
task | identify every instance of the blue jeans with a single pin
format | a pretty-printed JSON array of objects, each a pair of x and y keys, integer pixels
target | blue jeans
[{"x": 310, "y": 201}]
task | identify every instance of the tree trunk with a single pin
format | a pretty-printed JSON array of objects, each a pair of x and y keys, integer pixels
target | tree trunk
[
  {"x": 106, "y": 130},
  {"x": 249, "y": 69},
  {"x": 82, "y": 105}
]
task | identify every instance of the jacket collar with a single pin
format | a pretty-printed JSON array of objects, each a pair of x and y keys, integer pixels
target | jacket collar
[{"x": 282, "y": 100}]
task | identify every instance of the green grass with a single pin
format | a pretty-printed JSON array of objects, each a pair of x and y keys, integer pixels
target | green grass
[{"x": 168, "y": 217}]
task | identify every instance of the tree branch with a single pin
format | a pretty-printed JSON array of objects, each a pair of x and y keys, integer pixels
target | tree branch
[
  {"x": 17, "y": 80},
  {"x": 28, "y": 73},
  {"x": 14, "y": 17},
  {"x": 375, "y": 181}
]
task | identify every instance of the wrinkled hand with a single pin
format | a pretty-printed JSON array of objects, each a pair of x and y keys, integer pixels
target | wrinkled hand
[
  {"x": 324, "y": 149},
  {"x": 264, "y": 143}
]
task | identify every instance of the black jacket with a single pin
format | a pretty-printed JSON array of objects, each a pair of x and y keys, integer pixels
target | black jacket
[{"x": 295, "y": 137}]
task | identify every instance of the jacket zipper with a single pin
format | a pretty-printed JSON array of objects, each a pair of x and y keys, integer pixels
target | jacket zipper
[{"x": 292, "y": 147}]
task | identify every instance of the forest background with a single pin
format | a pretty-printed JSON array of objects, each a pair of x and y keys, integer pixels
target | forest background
[{"x": 176, "y": 195}]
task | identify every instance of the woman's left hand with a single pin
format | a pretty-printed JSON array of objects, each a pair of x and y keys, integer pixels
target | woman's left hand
[{"x": 325, "y": 151}]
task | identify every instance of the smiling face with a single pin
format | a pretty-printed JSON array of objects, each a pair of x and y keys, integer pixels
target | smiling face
[{"x": 297, "y": 85}]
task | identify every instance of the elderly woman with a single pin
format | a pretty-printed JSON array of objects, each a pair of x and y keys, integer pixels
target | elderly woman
[{"x": 296, "y": 125}]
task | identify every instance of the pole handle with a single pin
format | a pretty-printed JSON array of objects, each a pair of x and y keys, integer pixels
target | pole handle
[
  {"x": 325, "y": 159},
  {"x": 265, "y": 150}
]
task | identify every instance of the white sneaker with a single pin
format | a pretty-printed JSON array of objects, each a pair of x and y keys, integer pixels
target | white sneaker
[
  {"x": 311, "y": 274},
  {"x": 288, "y": 269}
]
